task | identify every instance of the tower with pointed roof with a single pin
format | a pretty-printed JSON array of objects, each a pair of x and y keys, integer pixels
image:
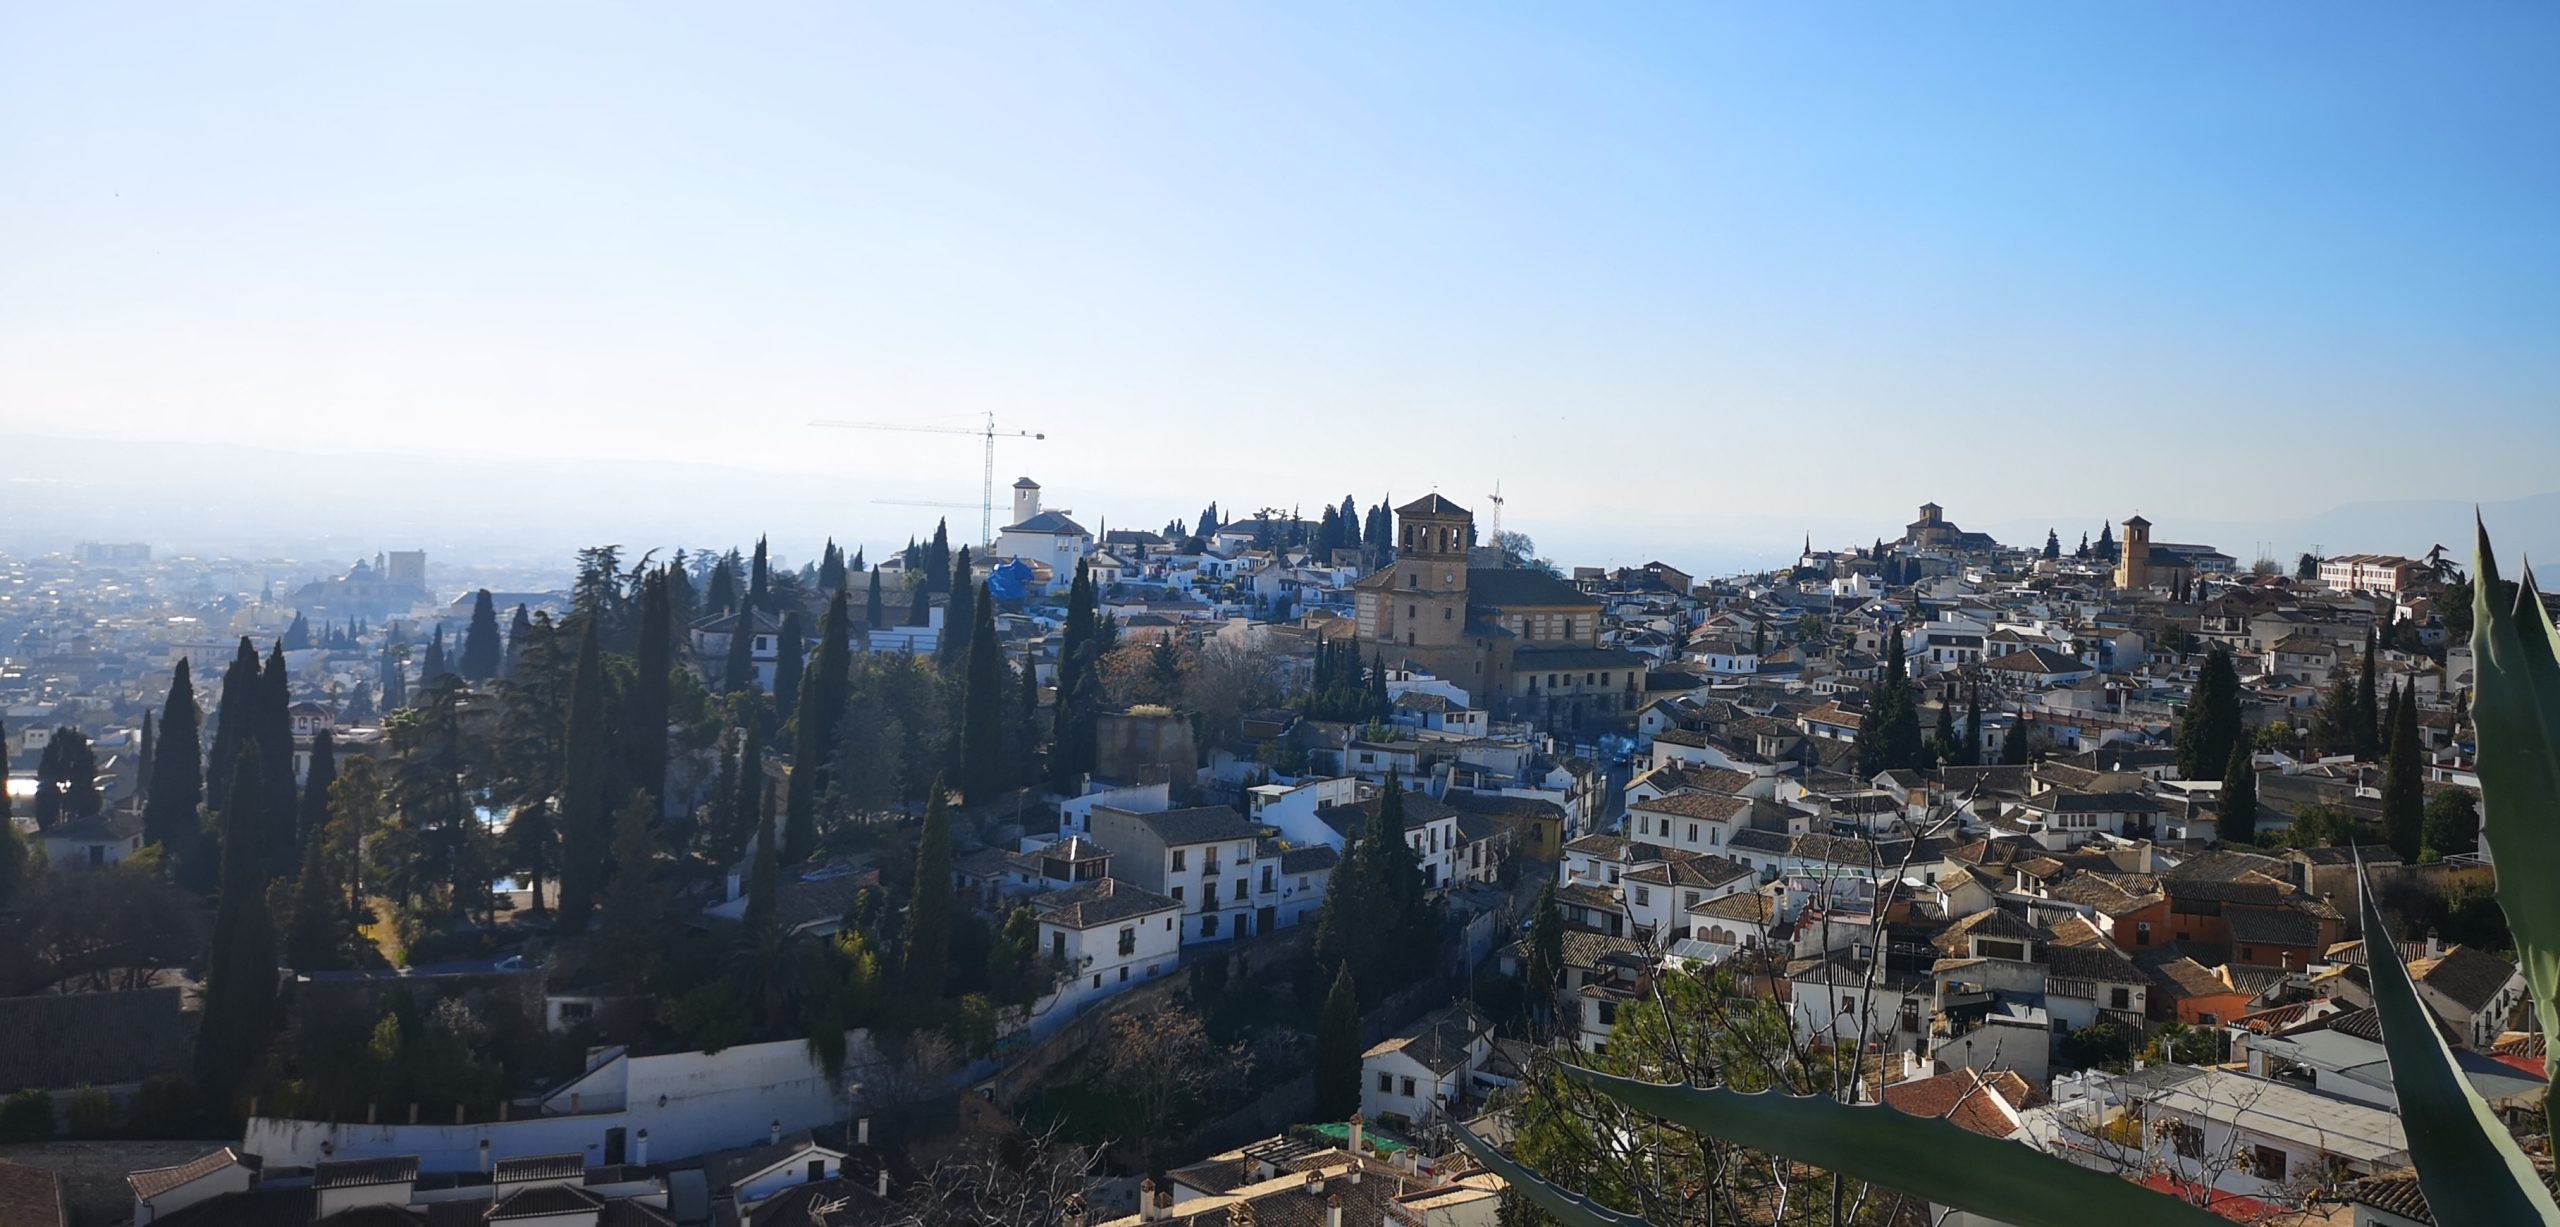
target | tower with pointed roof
[{"x": 2133, "y": 564}]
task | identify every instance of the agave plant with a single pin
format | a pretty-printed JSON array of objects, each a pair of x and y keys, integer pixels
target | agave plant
[{"x": 2469, "y": 1167}]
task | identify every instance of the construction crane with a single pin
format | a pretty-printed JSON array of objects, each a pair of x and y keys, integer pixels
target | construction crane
[
  {"x": 1493, "y": 535},
  {"x": 987, "y": 495},
  {"x": 922, "y": 502}
]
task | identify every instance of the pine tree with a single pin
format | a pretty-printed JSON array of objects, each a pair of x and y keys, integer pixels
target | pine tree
[
  {"x": 1337, "y": 1055},
  {"x": 312, "y": 822},
  {"x": 646, "y": 706},
  {"x": 274, "y": 731},
  {"x": 982, "y": 734},
  {"x": 177, "y": 770},
  {"x": 2052, "y": 545},
  {"x": 2333, "y": 727},
  {"x": 822, "y": 701},
  {"x": 927, "y": 959},
  {"x": 586, "y": 798},
  {"x": 2212, "y": 719},
  {"x": 2240, "y": 796},
  {"x": 2404, "y": 800},
  {"x": 482, "y": 651},
  {"x": 518, "y": 630},
  {"x": 2368, "y": 727},
  {"x": 240, "y": 956},
  {"x": 234, "y": 719},
  {"x": 790, "y": 661}
]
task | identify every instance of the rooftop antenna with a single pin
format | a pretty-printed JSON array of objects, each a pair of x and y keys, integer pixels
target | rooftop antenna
[{"x": 987, "y": 431}]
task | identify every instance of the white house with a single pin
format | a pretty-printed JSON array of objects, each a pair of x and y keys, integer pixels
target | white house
[
  {"x": 100, "y": 841},
  {"x": 1101, "y": 937},
  {"x": 1424, "y": 1072},
  {"x": 1203, "y": 858}
]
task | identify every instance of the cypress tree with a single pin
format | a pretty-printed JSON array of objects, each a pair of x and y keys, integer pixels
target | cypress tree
[
  {"x": 873, "y": 616},
  {"x": 937, "y": 557},
  {"x": 1544, "y": 970},
  {"x": 2014, "y": 743},
  {"x": 645, "y": 712},
  {"x": 395, "y": 690},
  {"x": 586, "y": 800},
  {"x": 763, "y": 873},
  {"x": 1026, "y": 717},
  {"x": 982, "y": 734},
  {"x": 750, "y": 799},
  {"x": 313, "y": 820},
  {"x": 482, "y": 652},
  {"x": 1337, "y": 1057},
  {"x": 1973, "y": 722},
  {"x": 518, "y": 630},
  {"x": 312, "y": 941},
  {"x": 274, "y": 731},
  {"x": 722, "y": 594},
  {"x": 1943, "y": 740},
  {"x": 790, "y": 661},
  {"x": 2240, "y": 797},
  {"x": 959, "y": 620},
  {"x": 831, "y": 569},
  {"x": 919, "y": 606},
  {"x": 297, "y": 634},
  {"x": 234, "y": 719},
  {"x": 2404, "y": 800},
  {"x": 927, "y": 960},
  {"x": 822, "y": 700},
  {"x": 2212, "y": 719},
  {"x": 738, "y": 667},
  {"x": 240, "y": 957},
  {"x": 760, "y": 582},
  {"x": 177, "y": 769},
  {"x": 2368, "y": 726},
  {"x": 631, "y": 910},
  {"x": 435, "y": 666}
]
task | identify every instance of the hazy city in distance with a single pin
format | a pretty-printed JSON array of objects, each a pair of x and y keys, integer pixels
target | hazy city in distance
[{"x": 1314, "y": 615}]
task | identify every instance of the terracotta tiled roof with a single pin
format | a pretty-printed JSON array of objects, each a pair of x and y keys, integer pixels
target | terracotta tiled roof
[
  {"x": 152, "y": 1182},
  {"x": 1965, "y": 1099}
]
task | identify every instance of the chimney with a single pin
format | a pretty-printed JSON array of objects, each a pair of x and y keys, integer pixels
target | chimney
[
  {"x": 640, "y": 1148},
  {"x": 862, "y": 1132},
  {"x": 773, "y": 1132},
  {"x": 413, "y": 1113},
  {"x": 1147, "y": 1200},
  {"x": 883, "y": 1185},
  {"x": 1315, "y": 1182},
  {"x": 1355, "y": 1145},
  {"x": 2435, "y": 945},
  {"x": 1333, "y": 1210},
  {"x": 486, "y": 1163}
]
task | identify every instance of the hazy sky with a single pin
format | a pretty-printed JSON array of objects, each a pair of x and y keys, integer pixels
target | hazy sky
[{"x": 1720, "y": 267}]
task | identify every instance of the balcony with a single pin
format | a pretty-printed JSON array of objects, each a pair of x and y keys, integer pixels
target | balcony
[{"x": 1209, "y": 869}]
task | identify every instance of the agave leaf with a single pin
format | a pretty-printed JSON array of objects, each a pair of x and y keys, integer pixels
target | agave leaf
[
  {"x": 1925, "y": 1158},
  {"x": 2468, "y": 1166},
  {"x": 1571, "y": 1209},
  {"x": 2518, "y": 714}
]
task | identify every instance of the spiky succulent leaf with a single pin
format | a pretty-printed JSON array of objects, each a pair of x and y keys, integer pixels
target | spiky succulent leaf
[
  {"x": 1929, "y": 1159},
  {"x": 2516, "y": 654},
  {"x": 1571, "y": 1209},
  {"x": 2468, "y": 1165}
]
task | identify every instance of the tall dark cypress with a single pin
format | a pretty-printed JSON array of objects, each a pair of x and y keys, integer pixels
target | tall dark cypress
[
  {"x": 982, "y": 734},
  {"x": 234, "y": 719},
  {"x": 240, "y": 957},
  {"x": 1337, "y": 1055},
  {"x": 435, "y": 667},
  {"x": 937, "y": 557},
  {"x": 519, "y": 629},
  {"x": 873, "y": 616},
  {"x": 586, "y": 800},
  {"x": 395, "y": 687},
  {"x": 822, "y": 699},
  {"x": 959, "y": 620},
  {"x": 2240, "y": 796},
  {"x": 2404, "y": 797},
  {"x": 177, "y": 769},
  {"x": 920, "y": 606},
  {"x": 1350, "y": 523},
  {"x": 482, "y": 652},
  {"x": 738, "y": 665},
  {"x": 314, "y": 818},
  {"x": 790, "y": 661},
  {"x": 927, "y": 961},
  {"x": 831, "y": 567},
  {"x": 2212, "y": 719},
  {"x": 2369, "y": 730},
  {"x": 1973, "y": 722},
  {"x": 749, "y": 802},
  {"x": 722, "y": 593},
  {"x": 645, "y": 708},
  {"x": 760, "y": 581},
  {"x": 274, "y": 731}
]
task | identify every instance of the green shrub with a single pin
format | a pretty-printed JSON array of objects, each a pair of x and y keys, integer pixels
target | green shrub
[
  {"x": 91, "y": 1114},
  {"x": 27, "y": 1117}
]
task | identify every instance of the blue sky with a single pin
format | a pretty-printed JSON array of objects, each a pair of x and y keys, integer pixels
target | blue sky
[{"x": 1707, "y": 271}]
